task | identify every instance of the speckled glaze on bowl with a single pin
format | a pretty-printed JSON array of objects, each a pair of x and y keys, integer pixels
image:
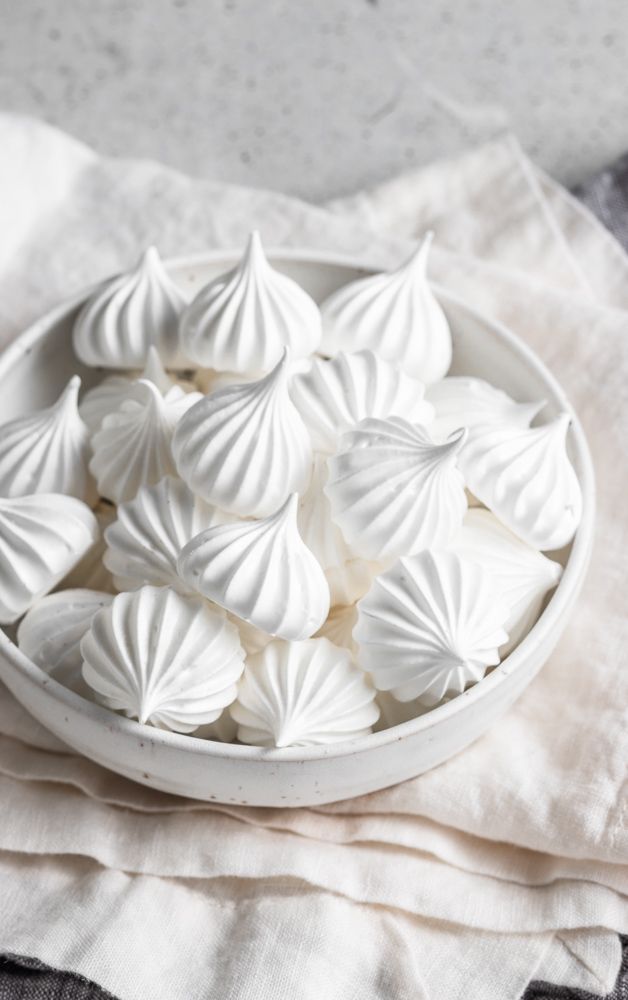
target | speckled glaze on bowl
[{"x": 32, "y": 373}]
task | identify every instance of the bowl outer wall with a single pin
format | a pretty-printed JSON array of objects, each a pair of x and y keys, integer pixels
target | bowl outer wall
[{"x": 32, "y": 372}]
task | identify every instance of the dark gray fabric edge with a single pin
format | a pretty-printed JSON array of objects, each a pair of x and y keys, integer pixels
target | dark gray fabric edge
[{"x": 24, "y": 978}]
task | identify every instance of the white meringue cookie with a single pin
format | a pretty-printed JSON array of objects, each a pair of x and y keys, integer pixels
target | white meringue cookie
[
  {"x": 105, "y": 398},
  {"x": 129, "y": 313},
  {"x": 242, "y": 320},
  {"x": 430, "y": 626},
  {"x": 347, "y": 575},
  {"x": 245, "y": 447},
  {"x": 90, "y": 573},
  {"x": 51, "y": 632},
  {"x": 47, "y": 451},
  {"x": 145, "y": 541},
  {"x": 338, "y": 626},
  {"x": 525, "y": 477},
  {"x": 41, "y": 538},
  {"x": 462, "y": 401},
  {"x": 333, "y": 396},
  {"x": 393, "y": 491},
  {"x": 113, "y": 391},
  {"x": 521, "y": 574},
  {"x": 163, "y": 658},
  {"x": 396, "y": 315},
  {"x": 133, "y": 446},
  {"x": 303, "y": 694},
  {"x": 261, "y": 571}
]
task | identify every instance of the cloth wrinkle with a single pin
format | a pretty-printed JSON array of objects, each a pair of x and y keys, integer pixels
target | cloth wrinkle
[{"x": 507, "y": 862}]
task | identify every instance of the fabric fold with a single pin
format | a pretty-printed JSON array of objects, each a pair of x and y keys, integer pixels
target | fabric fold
[{"x": 508, "y": 860}]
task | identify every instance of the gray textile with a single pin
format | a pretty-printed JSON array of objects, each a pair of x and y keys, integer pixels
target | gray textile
[
  {"x": 546, "y": 991},
  {"x": 606, "y": 195},
  {"x": 27, "y": 979}
]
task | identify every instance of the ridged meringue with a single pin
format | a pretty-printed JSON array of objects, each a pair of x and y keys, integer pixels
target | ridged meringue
[
  {"x": 133, "y": 446},
  {"x": 90, "y": 573},
  {"x": 51, "y": 632},
  {"x": 393, "y": 491},
  {"x": 525, "y": 477},
  {"x": 348, "y": 576},
  {"x": 242, "y": 320},
  {"x": 41, "y": 538},
  {"x": 338, "y": 626},
  {"x": 303, "y": 694},
  {"x": 261, "y": 571},
  {"x": 396, "y": 315},
  {"x": 335, "y": 395},
  {"x": 113, "y": 391},
  {"x": 163, "y": 658},
  {"x": 430, "y": 626},
  {"x": 245, "y": 447},
  {"x": 521, "y": 574},
  {"x": 47, "y": 451},
  {"x": 462, "y": 401},
  {"x": 128, "y": 313},
  {"x": 144, "y": 542}
]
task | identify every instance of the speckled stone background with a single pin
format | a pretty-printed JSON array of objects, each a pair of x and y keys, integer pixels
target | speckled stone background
[{"x": 319, "y": 97}]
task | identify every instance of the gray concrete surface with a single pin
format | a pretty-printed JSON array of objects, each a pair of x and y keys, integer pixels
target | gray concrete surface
[{"x": 319, "y": 97}]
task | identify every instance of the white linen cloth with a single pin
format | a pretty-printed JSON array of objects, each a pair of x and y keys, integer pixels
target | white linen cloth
[{"x": 509, "y": 861}]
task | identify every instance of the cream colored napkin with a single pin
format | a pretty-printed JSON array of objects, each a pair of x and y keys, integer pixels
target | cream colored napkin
[{"x": 507, "y": 862}]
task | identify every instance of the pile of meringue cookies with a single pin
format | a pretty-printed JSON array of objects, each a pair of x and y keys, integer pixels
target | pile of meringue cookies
[{"x": 275, "y": 523}]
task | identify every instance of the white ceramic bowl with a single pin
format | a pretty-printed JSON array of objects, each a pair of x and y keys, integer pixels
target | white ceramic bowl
[{"x": 32, "y": 373}]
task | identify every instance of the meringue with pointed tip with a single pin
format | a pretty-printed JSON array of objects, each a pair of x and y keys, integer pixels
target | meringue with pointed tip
[
  {"x": 129, "y": 313},
  {"x": 90, "y": 573},
  {"x": 335, "y": 395},
  {"x": 525, "y": 477},
  {"x": 463, "y": 401},
  {"x": 51, "y": 632},
  {"x": 163, "y": 658},
  {"x": 47, "y": 451},
  {"x": 299, "y": 694},
  {"x": 245, "y": 448},
  {"x": 133, "y": 447},
  {"x": 348, "y": 576},
  {"x": 242, "y": 321},
  {"x": 41, "y": 538},
  {"x": 521, "y": 574},
  {"x": 144, "y": 542},
  {"x": 261, "y": 571},
  {"x": 393, "y": 491},
  {"x": 396, "y": 315},
  {"x": 113, "y": 391},
  {"x": 429, "y": 627},
  {"x": 338, "y": 626}
]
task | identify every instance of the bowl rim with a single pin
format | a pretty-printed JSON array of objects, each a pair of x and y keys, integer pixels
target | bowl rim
[{"x": 557, "y": 605}]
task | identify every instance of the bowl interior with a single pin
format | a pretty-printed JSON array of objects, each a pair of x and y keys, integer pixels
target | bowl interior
[{"x": 35, "y": 368}]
